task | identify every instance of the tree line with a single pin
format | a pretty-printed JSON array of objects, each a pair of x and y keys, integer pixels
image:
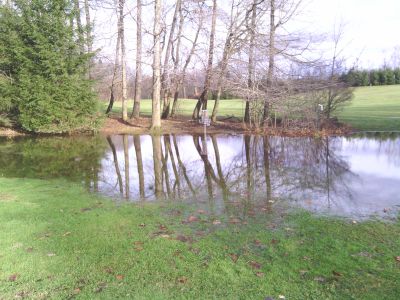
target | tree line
[
  {"x": 50, "y": 75},
  {"x": 383, "y": 76}
]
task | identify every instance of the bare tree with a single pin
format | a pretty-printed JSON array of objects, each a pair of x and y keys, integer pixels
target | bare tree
[
  {"x": 138, "y": 77},
  {"x": 89, "y": 41},
  {"x": 251, "y": 64},
  {"x": 121, "y": 30},
  {"x": 202, "y": 102},
  {"x": 79, "y": 26},
  {"x": 165, "y": 75},
  {"x": 156, "y": 110},
  {"x": 271, "y": 55},
  {"x": 114, "y": 76},
  {"x": 238, "y": 17},
  {"x": 180, "y": 79}
]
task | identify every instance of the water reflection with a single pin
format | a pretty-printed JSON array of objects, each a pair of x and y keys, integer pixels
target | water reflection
[{"x": 357, "y": 176}]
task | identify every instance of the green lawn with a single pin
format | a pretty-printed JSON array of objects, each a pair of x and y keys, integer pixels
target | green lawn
[
  {"x": 59, "y": 242},
  {"x": 227, "y": 108},
  {"x": 372, "y": 109}
]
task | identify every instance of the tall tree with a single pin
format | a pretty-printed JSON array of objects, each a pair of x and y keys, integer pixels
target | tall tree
[
  {"x": 89, "y": 41},
  {"x": 202, "y": 102},
  {"x": 138, "y": 77},
  {"x": 156, "y": 109},
  {"x": 271, "y": 60},
  {"x": 251, "y": 64},
  {"x": 165, "y": 74},
  {"x": 238, "y": 17},
  {"x": 114, "y": 76},
  {"x": 180, "y": 79},
  {"x": 121, "y": 31}
]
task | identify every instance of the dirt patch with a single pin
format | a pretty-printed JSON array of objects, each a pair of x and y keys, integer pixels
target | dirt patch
[{"x": 115, "y": 125}]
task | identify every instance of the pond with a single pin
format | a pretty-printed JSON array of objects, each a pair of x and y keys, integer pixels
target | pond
[{"x": 356, "y": 176}]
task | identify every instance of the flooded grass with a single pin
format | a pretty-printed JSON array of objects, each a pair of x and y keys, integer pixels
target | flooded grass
[{"x": 57, "y": 241}]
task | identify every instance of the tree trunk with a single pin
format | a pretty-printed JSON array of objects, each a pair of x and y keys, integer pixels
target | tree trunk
[
  {"x": 156, "y": 117},
  {"x": 138, "y": 77},
  {"x": 224, "y": 65},
  {"x": 176, "y": 60},
  {"x": 202, "y": 102},
  {"x": 88, "y": 35},
  {"x": 79, "y": 26},
  {"x": 181, "y": 82},
  {"x": 165, "y": 75},
  {"x": 121, "y": 30},
  {"x": 251, "y": 66},
  {"x": 271, "y": 64},
  {"x": 115, "y": 72}
]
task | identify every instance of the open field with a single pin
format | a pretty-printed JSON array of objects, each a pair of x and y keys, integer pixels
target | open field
[
  {"x": 227, "y": 108},
  {"x": 59, "y": 242},
  {"x": 373, "y": 108}
]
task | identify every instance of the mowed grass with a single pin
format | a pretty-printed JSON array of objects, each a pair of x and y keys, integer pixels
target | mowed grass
[
  {"x": 372, "y": 109},
  {"x": 227, "y": 108},
  {"x": 59, "y": 242}
]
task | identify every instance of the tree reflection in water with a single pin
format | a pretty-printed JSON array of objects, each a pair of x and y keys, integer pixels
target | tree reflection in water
[{"x": 345, "y": 176}]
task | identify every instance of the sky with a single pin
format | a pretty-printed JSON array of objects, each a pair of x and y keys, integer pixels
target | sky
[{"x": 372, "y": 27}]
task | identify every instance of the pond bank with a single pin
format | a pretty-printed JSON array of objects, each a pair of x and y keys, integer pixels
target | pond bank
[
  {"x": 58, "y": 241},
  {"x": 183, "y": 125}
]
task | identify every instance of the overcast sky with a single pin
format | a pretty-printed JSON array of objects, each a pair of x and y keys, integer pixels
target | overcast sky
[{"x": 372, "y": 26}]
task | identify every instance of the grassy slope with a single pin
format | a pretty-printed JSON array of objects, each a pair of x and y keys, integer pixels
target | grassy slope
[
  {"x": 62, "y": 242},
  {"x": 373, "y": 108}
]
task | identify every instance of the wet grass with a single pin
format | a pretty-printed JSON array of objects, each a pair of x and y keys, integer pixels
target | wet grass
[
  {"x": 59, "y": 242},
  {"x": 372, "y": 109}
]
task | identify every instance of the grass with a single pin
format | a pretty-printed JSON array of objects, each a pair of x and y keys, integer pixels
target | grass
[
  {"x": 59, "y": 242},
  {"x": 227, "y": 108},
  {"x": 372, "y": 109}
]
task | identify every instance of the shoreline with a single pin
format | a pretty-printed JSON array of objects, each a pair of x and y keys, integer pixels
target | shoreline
[{"x": 142, "y": 125}]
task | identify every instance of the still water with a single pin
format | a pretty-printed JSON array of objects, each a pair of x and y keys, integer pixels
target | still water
[{"x": 357, "y": 176}]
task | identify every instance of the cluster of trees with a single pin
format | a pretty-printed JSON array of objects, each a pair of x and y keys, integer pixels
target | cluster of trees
[
  {"x": 44, "y": 84},
  {"x": 384, "y": 76},
  {"x": 237, "y": 47}
]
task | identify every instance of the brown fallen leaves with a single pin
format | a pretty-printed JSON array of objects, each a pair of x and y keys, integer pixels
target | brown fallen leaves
[
  {"x": 182, "y": 279},
  {"x": 119, "y": 277},
  {"x": 255, "y": 265},
  {"x": 184, "y": 239},
  {"x": 234, "y": 257},
  {"x": 13, "y": 277},
  {"x": 138, "y": 245}
]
